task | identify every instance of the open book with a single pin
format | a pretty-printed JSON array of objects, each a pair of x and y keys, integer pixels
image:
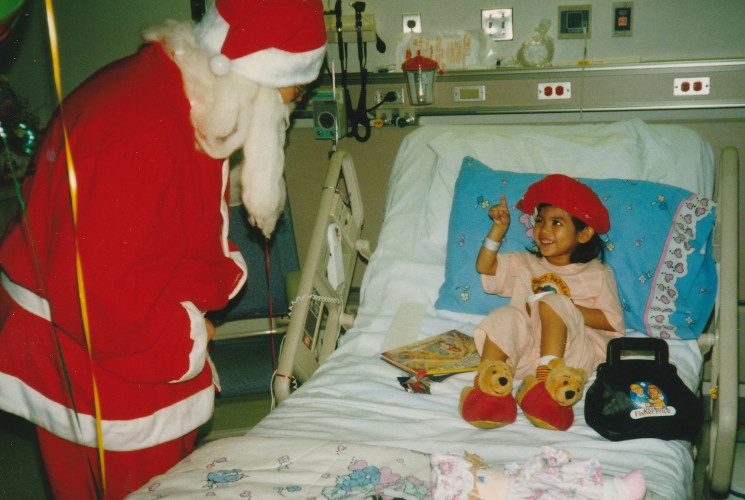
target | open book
[{"x": 448, "y": 352}]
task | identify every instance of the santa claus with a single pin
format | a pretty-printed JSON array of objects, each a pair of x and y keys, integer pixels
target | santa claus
[{"x": 147, "y": 138}]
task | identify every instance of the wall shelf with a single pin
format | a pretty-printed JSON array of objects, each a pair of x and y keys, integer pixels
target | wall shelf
[{"x": 594, "y": 88}]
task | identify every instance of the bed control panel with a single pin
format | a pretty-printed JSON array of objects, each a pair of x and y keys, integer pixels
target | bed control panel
[
  {"x": 340, "y": 213},
  {"x": 335, "y": 265}
]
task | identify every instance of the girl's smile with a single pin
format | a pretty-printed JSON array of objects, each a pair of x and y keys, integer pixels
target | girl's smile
[{"x": 555, "y": 235}]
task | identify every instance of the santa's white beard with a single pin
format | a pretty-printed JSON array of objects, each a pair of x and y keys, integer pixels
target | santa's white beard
[
  {"x": 262, "y": 185},
  {"x": 230, "y": 112}
]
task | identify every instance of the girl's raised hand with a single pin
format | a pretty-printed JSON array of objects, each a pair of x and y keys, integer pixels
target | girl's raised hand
[{"x": 500, "y": 214}]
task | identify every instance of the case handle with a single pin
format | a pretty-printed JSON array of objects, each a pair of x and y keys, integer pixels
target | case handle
[{"x": 625, "y": 344}]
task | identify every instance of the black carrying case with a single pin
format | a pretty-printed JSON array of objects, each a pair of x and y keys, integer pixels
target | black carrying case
[{"x": 641, "y": 398}]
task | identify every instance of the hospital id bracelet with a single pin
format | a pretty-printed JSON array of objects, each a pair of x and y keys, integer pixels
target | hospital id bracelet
[{"x": 492, "y": 245}]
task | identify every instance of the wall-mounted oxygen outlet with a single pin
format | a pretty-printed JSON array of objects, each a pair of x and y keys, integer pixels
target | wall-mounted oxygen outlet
[
  {"x": 497, "y": 23},
  {"x": 412, "y": 23},
  {"x": 380, "y": 94}
]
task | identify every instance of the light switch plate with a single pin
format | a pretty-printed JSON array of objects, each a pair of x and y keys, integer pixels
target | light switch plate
[{"x": 497, "y": 23}]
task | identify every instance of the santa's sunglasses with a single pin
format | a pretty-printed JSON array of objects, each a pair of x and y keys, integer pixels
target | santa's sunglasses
[{"x": 301, "y": 92}]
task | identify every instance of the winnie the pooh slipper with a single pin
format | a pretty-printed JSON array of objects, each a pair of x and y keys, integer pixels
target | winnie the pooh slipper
[
  {"x": 489, "y": 403},
  {"x": 548, "y": 398}
]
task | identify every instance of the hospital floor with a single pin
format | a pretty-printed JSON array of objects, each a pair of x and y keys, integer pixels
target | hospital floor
[{"x": 22, "y": 471}]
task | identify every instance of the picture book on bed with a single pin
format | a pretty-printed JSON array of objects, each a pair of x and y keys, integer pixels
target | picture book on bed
[{"x": 448, "y": 352}]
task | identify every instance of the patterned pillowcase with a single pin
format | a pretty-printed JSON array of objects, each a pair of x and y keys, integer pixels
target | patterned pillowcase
[{"x": 659, "y": 247}]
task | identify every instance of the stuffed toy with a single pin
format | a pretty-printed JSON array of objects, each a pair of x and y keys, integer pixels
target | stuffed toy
[
  {"x": 547, "y": 399},
  {"x": 489, "y": 403},
  {"x": 550, "y": 473}
]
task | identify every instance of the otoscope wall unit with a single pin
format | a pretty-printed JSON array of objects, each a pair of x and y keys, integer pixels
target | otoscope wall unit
[{"x": 348, "y": 27}]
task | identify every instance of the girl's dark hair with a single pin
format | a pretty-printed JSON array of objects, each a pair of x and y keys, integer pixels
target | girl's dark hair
[{"x": 584, "y": 252}]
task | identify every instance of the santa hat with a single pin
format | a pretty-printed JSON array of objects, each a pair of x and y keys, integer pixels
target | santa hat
[
  {"x": 568, "y": 194},
  {"x": 276, "y": 43}
]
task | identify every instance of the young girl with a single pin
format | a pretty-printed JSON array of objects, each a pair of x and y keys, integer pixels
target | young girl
[{"x": 563, "y": 300}]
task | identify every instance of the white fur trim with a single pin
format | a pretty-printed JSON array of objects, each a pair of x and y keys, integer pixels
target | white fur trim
[
  {"x": 164, "y": 425},
  {"x": 220, "y": 65},
  {"x": 197, "y": 333},
  {"x": 215, "y": 376},
  {"x": 236, "y": 256},
  {"x": 278, "y": 68},
  {"x": 211, "y": 31},
  {"x": 26, "y": 298},
  {"x": 271, "y": 67}
]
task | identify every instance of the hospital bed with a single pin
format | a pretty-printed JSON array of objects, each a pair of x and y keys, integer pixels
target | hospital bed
[{"x": 351, "y": 431}]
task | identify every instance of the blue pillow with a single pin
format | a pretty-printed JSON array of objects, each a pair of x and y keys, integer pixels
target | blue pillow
[{"x": 659, "y": 247}]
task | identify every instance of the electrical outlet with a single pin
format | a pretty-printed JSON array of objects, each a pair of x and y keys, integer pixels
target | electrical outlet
[
  {"x": 555, "y": 90},
  {"x": 497, "y": 23},
  {"x": 380, "y": 93},
  {"x": 412, "y": 23},
  {"x": 692, "y": 86}
]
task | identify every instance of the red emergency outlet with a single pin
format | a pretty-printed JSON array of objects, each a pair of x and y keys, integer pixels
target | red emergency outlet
[{"x": 622, "y": 20}]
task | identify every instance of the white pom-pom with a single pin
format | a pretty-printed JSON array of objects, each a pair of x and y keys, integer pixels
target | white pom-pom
[{"x": 220, "y": 65}]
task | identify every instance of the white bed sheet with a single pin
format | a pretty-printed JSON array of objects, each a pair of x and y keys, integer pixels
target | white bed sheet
[{"x": 355, "y": 397}]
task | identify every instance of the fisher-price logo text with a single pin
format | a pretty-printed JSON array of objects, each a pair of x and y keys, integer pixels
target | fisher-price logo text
[{"x": 652, "y": 411}]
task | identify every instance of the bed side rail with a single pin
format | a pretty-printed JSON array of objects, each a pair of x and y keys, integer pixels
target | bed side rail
[
  {"x": 318, "y": 311},
  {"x": 724, "y": 372}
]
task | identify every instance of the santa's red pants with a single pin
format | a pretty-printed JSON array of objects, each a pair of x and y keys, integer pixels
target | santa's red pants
[{"x": 72, "y": 469}]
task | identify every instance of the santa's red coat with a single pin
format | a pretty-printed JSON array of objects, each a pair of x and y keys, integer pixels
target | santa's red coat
[{"x": 152, "y": 239}]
